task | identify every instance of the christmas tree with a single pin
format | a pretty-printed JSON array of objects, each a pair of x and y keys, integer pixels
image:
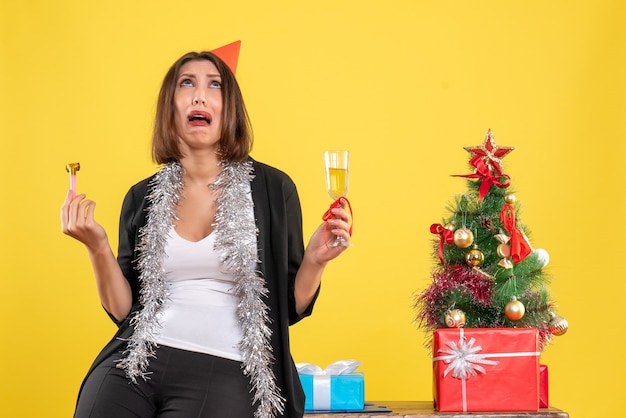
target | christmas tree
[{"x": 486, "y": 273}]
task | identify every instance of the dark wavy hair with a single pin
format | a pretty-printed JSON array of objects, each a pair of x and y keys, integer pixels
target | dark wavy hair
[{"x": 236, "y": 136}]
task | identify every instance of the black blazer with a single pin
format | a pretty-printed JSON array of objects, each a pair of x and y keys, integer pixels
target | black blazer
[{"x": 280, "y": 246}]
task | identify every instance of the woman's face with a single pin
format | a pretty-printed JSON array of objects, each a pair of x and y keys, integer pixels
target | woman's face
[{"x": 198, "y": 104}]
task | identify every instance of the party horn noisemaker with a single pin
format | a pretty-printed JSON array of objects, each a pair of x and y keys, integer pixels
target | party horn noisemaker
[{"x": 72, "y": 168}]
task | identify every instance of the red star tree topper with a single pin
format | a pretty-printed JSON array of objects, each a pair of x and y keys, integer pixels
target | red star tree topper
[{"x": 490, "y": 153}]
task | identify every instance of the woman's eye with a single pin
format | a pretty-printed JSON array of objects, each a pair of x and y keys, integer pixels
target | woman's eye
[
  {"x": 216, "y": 85},
  {"x": 186, "y": 83}
]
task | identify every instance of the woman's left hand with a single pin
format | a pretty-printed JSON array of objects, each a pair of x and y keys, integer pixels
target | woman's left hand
[
  {"x": 319, "y": 252},
  {"x": 320, "y": 245}
]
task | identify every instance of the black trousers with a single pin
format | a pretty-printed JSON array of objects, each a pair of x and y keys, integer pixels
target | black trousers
[{"x": 183, "y": 384}]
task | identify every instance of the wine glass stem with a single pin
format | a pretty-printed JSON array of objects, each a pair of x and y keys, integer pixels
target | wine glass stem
[{"x": 340, "y": 242}]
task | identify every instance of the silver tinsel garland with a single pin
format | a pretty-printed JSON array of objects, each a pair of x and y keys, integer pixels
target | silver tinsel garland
[
  {"x": 235, "y": 238},
  {"x": 168, "y": 185},
  {"x": 236, "y": 234}
]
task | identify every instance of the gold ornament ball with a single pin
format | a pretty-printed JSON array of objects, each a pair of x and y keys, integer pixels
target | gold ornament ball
[
  {"x": 558, "y": 326},
  {"x": 510, "y": 198},
  {"x": 450, "y": 227},
  {"x": 455, "y": 318},
  {"x": 514, "y": 310},
  {"x": 475, "y": 258},
  {"x": 463, "y": 237}
]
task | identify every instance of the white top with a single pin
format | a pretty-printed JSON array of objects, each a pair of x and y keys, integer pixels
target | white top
[{"x": 200, "y": 311}]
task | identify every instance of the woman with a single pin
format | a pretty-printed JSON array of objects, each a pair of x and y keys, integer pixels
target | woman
[{"x": 211, "y": 269}]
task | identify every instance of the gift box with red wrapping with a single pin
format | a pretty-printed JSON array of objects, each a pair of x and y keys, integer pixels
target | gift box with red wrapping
[
  {"x": 544, "y": 400},
  {"x": 486, "y": 369}
]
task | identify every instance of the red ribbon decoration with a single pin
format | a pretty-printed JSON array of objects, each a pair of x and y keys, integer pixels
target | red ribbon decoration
[
  {"x": 445, "y": 237},
  {"x": 483, "y": 172},
  {"x": 520, "y": 248},
  {"x": 328, "y": 214}
]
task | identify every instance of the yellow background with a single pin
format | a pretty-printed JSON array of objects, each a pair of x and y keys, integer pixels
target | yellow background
[{"x": 404, "y": 85}]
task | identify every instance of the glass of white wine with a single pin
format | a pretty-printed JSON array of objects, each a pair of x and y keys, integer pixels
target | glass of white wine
[{"x": 336, "y": 164}]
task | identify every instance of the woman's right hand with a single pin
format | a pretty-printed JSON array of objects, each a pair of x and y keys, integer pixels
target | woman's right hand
[{"x": 77, "y": 221}]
